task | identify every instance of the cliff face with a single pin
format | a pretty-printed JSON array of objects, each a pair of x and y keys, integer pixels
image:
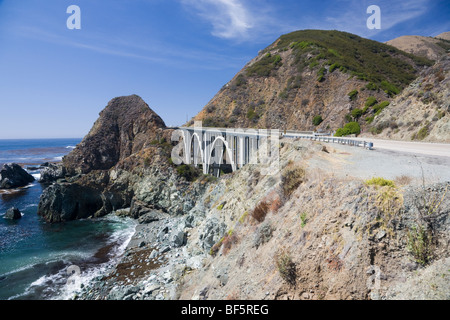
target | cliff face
[
  {"x": 126, "y": 126},
  {"x": 311, "y": 80},
  {"x": 122, "y": 162}
]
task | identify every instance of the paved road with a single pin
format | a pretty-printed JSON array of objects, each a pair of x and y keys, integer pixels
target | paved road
[{"x": 433, "y": 149}]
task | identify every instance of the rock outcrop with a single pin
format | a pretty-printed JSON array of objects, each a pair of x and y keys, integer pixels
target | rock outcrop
[
  {"x": 51, "y": 172},
  {"x": 13, "y": 214},
  {"x": 126, "y": 126},
  {"x": 13, "y": 176},
  {"x": 123, "y": 162}
]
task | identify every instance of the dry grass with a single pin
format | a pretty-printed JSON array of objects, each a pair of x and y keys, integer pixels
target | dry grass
[
  {"x": 228, "y": 242},
  {"x": 291, "y": 179},
  {"x": 403, "y": 180},
  {"x": 286, "y": 267}
]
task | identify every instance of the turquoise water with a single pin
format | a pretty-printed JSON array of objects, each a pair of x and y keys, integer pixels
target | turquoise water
[{"x": 35, "y": 256}]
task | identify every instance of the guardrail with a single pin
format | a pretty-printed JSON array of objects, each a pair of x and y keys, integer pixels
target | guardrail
[{"x": 345, "y": 141}]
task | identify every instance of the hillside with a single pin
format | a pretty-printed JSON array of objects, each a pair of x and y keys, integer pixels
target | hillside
[
  {"x": 317, "y": 229},
  {"x": 444, "y": 35},
  {"x": 422, "y": 111},
  {"x": 431, "y": 48},
  {"x": 312, "y": 79}
]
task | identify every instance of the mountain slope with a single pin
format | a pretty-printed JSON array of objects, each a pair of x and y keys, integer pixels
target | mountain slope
[
  {"x": 421, "y": 111},
  {"x": 444, "y": 35},
  {"x": 313, "y": 79},
  {"x": 431, "y": 48}
]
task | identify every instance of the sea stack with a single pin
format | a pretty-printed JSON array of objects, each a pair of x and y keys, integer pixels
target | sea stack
[
  {"x": 13, "y": 176},
  {"x": 13, "y": 214}
]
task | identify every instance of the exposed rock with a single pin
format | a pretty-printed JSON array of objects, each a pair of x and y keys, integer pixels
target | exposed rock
[
  {"x": 125, "y": 147},
  {"x": 13, "y": 214},
  {"x": 52, "y": 172},
  {"x": 13, "y": 176},
  {"x": 125, "y": 126},
  {"x": 151, "y": 217},
  {"x": 69, "y": 201},
  {"x": 212, "y": 232},
  {"x": 178, "y": 238}
]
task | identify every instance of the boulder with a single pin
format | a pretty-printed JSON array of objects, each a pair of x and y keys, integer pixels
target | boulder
[
  {"x": 13, "y": 214},
  {"x": 70, "y": 201},
  {"x": 211, "y": 232},
  {"x": 13, "y": 176},
  {"x": 52, "y": 172},
  {"x": 178, "y": 238}
]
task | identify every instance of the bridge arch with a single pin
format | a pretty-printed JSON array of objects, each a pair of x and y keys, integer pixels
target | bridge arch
[
  {"x": 226, "y": 149},
  {"x": 191, "y": 146}
]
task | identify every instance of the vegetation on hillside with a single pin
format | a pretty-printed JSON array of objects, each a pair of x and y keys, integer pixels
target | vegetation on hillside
[{"x": 383, "y": 66}]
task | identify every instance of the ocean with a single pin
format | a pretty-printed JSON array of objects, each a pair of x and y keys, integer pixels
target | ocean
[{"x": 42, "y": 261}]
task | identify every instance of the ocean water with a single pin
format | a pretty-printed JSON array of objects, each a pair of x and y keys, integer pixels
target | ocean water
[{"x": 42, "y": 261}]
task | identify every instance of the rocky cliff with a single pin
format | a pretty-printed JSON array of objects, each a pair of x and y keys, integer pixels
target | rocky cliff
[
  {"x": 126, "y": 126},
  {"x": 421, "y": 112},
  {"x": 123, "y": 162},
  {"x": 319, "y": 228}
]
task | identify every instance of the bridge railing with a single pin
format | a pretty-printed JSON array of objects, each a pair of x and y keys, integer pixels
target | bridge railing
[{"x": 345, "y": 141}]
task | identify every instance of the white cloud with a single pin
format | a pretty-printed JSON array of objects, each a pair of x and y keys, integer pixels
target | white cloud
[{"x": 230, "y": 19}]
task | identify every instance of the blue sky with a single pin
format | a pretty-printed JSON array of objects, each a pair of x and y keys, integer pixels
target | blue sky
[{"x": 175, "y": 54}]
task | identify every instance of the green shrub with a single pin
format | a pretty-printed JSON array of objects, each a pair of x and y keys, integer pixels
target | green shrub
[
  {"x": 371, "y": 86},
  {"x": 389, "y": 88},
  {"x": 189, "y": 172},
  {"x": 353, "y": 95},
  {"x": 321, "y": 74},
  {"x": 349, "y": 128},
  {"x": 304, "y": 219},
  {"x": 240, "y": 80},
  {"x": 348, "y": 117},
  {"x": 357, "y": 113},
  {"x": 317, "y": 120},
  {"x": 252, "y": 115},
  {"x": 371, "y": 101},
  {"x": 313, "y": 64},
  {"x": 283, "y": 94},
  {"x": 380, "y": 107},
  {"x": 381, "y": 182},
  {"x": 265, "y": 66},
  {"x": 370, "y": 119},
  {"x": 420, "y": 245},
  {"x": 423, "y": 132},
  {"x": 333, "y": 67}
]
